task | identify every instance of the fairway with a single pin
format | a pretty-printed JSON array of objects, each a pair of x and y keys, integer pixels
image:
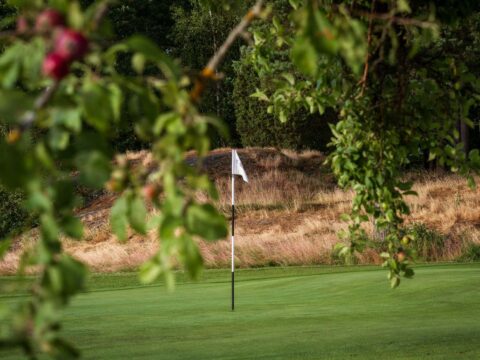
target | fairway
[{"x": 296, "y": 313}]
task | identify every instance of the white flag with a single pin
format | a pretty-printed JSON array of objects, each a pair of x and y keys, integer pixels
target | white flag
[{"x": 237, "y": 167}]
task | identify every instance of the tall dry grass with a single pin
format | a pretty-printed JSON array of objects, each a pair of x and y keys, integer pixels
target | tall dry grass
[{"x": 288, "y": 214}]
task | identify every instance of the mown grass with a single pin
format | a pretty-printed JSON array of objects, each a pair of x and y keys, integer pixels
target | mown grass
[{"x": 293, "y": 313}]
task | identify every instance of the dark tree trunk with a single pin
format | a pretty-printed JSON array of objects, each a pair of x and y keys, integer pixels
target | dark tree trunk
[{"x": 465, "y": 136}]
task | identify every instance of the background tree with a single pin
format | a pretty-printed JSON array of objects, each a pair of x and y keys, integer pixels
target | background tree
[{"x": 197, "y": 34}]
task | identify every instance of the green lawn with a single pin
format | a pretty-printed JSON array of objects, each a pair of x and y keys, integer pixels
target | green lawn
[{"x": 296, "y": 313}]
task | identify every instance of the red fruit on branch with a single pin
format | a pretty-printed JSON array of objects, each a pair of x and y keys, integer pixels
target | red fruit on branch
[
  {"x": 401, "y": 256},
  {"x": 48, "y": 20},
  {"x": 55, "y": 66},
  {"x": 22, "y": 25},
  {"x": 71, "y": 44},
  {"x": 150, "y": 192}
]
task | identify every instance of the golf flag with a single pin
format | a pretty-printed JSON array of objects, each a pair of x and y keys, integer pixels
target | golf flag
[{"x": 237, "y": 167}]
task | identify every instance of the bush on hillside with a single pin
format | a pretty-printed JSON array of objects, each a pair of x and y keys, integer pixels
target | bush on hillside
[
  {"x": 258, "y": 128},
  {"x": 428, "y": 243},
  {"x": 12, "y": 215},
  {"x": 471, "y": 253}
]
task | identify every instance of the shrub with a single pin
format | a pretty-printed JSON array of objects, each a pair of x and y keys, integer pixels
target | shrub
[
  {"x": 470, "y": 253},
  {"x": 12, "y": 215},
  {"x": 428, "y": 243}
]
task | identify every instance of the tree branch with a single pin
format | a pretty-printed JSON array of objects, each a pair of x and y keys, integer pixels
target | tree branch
[
  {"x": 28, "y": 119},
  {"x": 208, "y": 72},
  {"x": 100, "y": 14},
  {"x": 364, "y": 79},
  {"x": 397, "y": 20}
]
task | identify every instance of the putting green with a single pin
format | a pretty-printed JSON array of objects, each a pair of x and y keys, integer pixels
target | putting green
[{"x": 296, "y": 313}]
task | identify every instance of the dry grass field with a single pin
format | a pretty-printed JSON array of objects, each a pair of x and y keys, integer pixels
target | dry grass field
[{"x": 287, "y": 215}]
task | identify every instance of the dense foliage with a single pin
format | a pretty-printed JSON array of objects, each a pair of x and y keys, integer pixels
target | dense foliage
[
  {"x": 257, "y": 127},
  {"x": 389, "y": 70},
  {"x": 197, "y": 34},
  {"x": 12, "y": 216}
]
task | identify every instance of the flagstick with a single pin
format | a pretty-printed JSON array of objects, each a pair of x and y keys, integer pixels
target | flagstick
[{"x": 233, "y": 242}]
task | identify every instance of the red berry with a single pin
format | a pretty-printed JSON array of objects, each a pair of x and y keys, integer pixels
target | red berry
[
  {"x": 22, "y": 25},
  {"x": 48, "y": 20},
  {"x": 55, "y": 66},
  {"x": 150, "y": 192},
  {"x": 71, "y": 44}
]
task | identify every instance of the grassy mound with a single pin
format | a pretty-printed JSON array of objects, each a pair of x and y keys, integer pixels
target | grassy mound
[{"x": 288, "y": 214}]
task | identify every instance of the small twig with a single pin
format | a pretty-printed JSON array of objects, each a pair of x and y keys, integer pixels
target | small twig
[
  {"x": 100, "y": 14},
  {"x": 7, "y": 34},
  {"x": 390, "y": 16},
  {"x": 379, "y": 47},
  {"x": 397, "y": 20},
  {"x": 364, "y": 79},
  {"x": 28, "y": 119},
  {"x": 208, "y": 72}
]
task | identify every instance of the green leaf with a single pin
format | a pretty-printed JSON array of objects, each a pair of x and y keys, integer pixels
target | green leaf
[
  {"x": 345, "y": 217},
  {"x": 403, "y": 6},
  {"x": 289, "y": 77},
  {"x": 116, "y": 101},
  {"x": 73, "y": 275},
  {"x": 320, "y": 31},
  {"x": 144, "y": 46},
  {"x": 260, "y": 95},
  {"x": 305, "y": 56},
  {"x": 205, "y": 221},
  {"x": 294, "y": 3},
  {"x": 49, "y": 228},
  {"x": 471, "y": 183},
  {"x": 118, "y": 218},
  {"x": 10, "y": 76},
  {"x": 394, "y": 282},
  {"x": 149, "y": 272},
  {"x": 163, "y": 121},
  {"x": 95, "y": 100},
  {"x": 73, "y": 227},
  {"x": 58, "y": 139},
  {"x": 94, "y": 168},
  {"x": 138, "y": 62},
  {"x": 14, "y": 105},
  {"x": 137, "y": 214},
  {"x": 75, "y": 15},
  {"x": 152, "y": 52},
  {"x": 16, "y": 165},
  {"x": 70, "y": 118},
  {"x": 168, "y": 226},
  {"x": 409, "y": 273},
  {"x": 191, "y": 256}
]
